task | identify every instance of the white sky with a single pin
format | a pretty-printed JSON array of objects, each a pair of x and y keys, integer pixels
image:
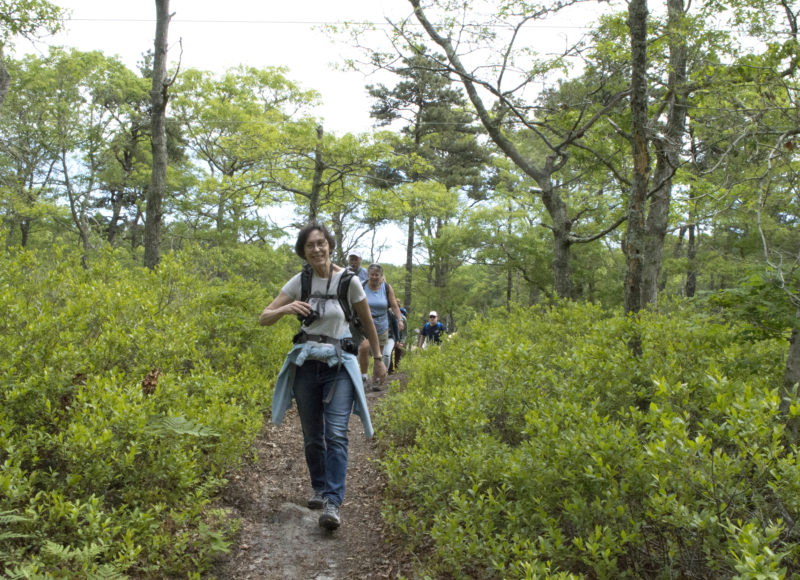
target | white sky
[{"x": 217, "y": 35}]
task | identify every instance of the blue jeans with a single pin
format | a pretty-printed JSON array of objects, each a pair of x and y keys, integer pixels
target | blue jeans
[{"x": 325, "y": 424}]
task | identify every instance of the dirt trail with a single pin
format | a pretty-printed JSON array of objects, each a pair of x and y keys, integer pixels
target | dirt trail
[{"x": 279, "y": 536}]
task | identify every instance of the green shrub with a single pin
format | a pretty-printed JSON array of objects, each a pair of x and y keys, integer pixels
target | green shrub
[
  {"x": 126, "y": 395},
  {"x": 534, "y": 444}
]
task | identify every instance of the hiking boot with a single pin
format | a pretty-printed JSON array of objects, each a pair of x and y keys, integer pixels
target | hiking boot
[
  {"x": 316, "y": 500},
  {"x": 376, "y": 386},
  {"x": 329, "y": 519}
]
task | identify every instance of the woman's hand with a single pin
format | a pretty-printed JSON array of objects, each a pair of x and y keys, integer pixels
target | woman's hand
[
  {"x": 379, "y": 371},
  {"x": 298, "y": 307},
  {"x": 282, "y": 306}
]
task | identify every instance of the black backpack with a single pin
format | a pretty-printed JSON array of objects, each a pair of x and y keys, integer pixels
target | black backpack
[{"x": 342, "y": 292}]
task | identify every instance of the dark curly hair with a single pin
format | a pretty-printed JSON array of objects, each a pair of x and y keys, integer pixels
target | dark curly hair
[{"x": 302, "y": 238}]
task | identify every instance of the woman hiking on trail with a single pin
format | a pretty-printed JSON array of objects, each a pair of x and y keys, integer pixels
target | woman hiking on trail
[
  {"x": 321, "y": 371},
  {"x": 381, "y": 299}
]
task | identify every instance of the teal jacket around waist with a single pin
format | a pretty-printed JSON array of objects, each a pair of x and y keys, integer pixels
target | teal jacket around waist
[{"x": 284, "y": 387}]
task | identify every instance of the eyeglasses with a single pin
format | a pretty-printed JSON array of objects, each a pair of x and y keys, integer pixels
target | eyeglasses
[{"x": 321, "y": 244}]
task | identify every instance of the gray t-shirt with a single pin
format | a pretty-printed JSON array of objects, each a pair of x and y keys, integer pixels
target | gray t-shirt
[{"x": 331, "y": 320}]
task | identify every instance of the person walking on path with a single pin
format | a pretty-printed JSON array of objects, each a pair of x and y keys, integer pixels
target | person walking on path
[
  {"x": 321, "y": 370},
  {"x": 432, "y": 331},
  {"x": 354, "y": 262},
  {"x": 381, "y": 299},
  {"x": 400, "y": 346}
]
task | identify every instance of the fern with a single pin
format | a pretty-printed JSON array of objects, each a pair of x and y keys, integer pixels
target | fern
[
  {"x": 4, "y": 536},
  {"x": 179, "y": 425},
  {"x": 7, "y": 518},
  {"x": 12, "y": 517},
  {"x": 17, "y": 573},
  {"x": 83, "y": 558},
  {"x": 68, "y": 554},
  {"x": 107, "y": 572}
]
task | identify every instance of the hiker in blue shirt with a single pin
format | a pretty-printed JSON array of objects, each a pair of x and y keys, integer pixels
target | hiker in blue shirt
[
  {"x": 381, "y": 300},
  {"x": 432, "y": 331}
]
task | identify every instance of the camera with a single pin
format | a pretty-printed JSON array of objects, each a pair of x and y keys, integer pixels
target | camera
[
  {"x": 313, "y": 316},
  {"x": 349, "y": 345}
]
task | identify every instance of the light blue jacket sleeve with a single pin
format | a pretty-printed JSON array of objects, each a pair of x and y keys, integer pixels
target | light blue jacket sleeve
[{"x": 284, "y": 387}]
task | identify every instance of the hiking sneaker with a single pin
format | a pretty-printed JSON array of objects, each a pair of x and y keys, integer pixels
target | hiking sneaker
[
  {"x": 316, "y": 500},
  {"x": 329, "y": 519}
]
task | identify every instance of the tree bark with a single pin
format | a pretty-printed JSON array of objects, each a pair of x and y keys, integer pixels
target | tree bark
[
  {"x": 562, "y": 270},
  {"x": 158, "y": 122},
  {"x": 791, "y": 378},
  {"x": 667, "y": 155},
  {"x": 691, "y": 266},
  {"x": 316, "y": 182},
  {"x": 5, "y": 78},
  {"x": 509, "y": 270},
  {"x": 635, "y": 236},
  {"x": 409, "y": 262},
  {"x": 24, "y": 231},
  {"x": 116, "y": 216}
]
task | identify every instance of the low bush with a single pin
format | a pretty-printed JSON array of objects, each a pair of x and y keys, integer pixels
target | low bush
[
  {"x": 534, "y": 444},
  {"x": 126, "y": 394}
]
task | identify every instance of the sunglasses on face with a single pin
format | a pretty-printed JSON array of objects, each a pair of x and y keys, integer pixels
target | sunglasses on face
[{"x": 433, "y": 317}]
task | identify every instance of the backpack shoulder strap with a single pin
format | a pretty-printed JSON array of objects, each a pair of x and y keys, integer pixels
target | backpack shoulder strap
[
  {"x": 305, "y": 282},
  {"x": 343, "y": 293}
]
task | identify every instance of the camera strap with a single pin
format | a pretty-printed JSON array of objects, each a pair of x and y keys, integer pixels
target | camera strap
[{"x": 306, "y": 294}]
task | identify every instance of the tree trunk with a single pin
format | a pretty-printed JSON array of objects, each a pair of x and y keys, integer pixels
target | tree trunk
[
  {"x": 509, "y": 287},
  {"x": 116, "y": 216},
  {"x": 219, "y": 216},
  {"x": 25, "y": 231},
  {"x": 5, "y": 78},
  {"x": 316, "y": 183},
  {"x": 635, "y": 236},
  {"x": 791, "y": 378},
  {"x": 691, "y": 266},
  {"x": 409, "y": 262},
  {"x": 562, "y": 274},
  {"x": 667, "y": 155},
  {"x": 158, "y": 122},
  {"x": 134, "y": 229},
  {"x": 509, "y": 271}
]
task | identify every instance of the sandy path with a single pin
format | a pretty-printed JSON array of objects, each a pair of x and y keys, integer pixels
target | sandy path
[{"x": 279, "y": 536}]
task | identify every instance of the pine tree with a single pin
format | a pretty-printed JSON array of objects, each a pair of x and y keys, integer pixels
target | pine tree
[{"x": 440, "y": 142}]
